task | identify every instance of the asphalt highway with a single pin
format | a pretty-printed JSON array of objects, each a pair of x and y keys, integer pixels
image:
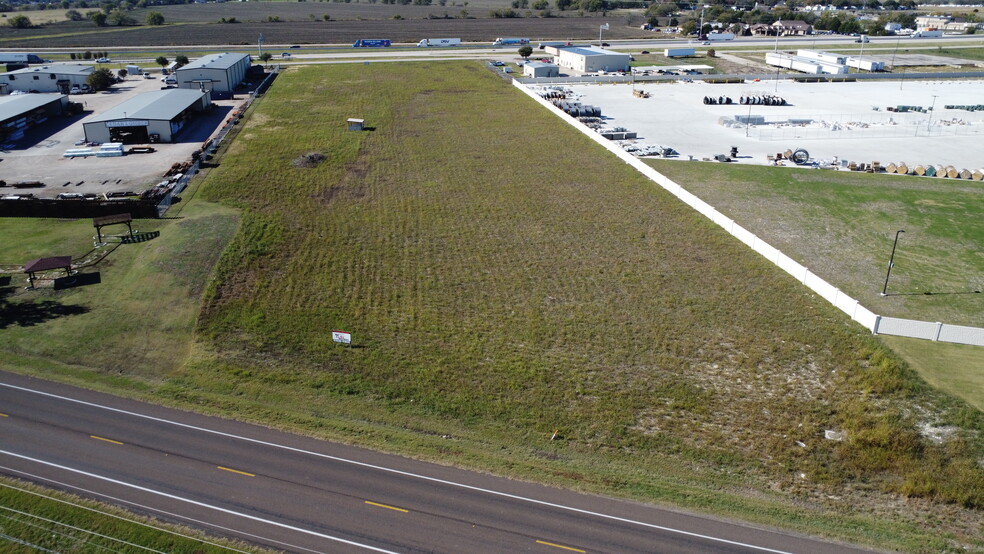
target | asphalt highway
[{"x": 299, "y": 494}]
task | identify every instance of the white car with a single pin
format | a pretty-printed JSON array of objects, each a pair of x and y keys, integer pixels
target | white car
[
  {"x": 102, "y": 60},
  {"x": 75, "y": 90}
]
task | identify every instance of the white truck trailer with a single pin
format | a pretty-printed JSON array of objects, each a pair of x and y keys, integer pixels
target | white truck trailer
[
  {"x": 679, "y": 52},
  {"x": 720, "y": 36},
  {"x": 439, "y": 42},
  {"x": 934, "y": 33}
]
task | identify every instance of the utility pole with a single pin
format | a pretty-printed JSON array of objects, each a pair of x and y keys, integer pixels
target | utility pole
[{"x": 891, "y": 262}]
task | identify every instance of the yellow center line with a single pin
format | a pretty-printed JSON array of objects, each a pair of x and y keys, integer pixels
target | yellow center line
[
  {"x": 3, "y": 415},
  {"x": 387, "y": 507},
  {"x": 560, "y": 546},
  {"x": 236, "y": 471},
  {"x": 104, "y": 439}
]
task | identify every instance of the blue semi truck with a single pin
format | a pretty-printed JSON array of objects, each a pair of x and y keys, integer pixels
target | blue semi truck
[{"x": 371, "y": 43}]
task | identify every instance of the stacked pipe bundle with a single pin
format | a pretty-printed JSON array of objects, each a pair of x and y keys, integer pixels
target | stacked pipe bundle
[
  {"x": 713, "y": 100},
  {"x": 765, "y": 100}
]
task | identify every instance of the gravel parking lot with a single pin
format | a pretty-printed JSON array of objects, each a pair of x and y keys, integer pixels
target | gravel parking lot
[
  {"x": 850, "y": 121},
  {"x": 38, "y": 156}
]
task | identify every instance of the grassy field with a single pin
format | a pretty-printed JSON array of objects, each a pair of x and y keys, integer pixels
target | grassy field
[
  {"x": 842, "y": 226},
  {"x": 33, "y": 519},
  {"x": 497, "y": 296}
]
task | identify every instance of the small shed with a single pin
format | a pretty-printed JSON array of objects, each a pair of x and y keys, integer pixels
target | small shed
[
  {"x": 356, "y": 124},
  {"x": 541, "y": 69}
]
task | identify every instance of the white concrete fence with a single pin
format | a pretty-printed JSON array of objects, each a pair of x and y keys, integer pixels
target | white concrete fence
[{"x": 875, "y": 323}]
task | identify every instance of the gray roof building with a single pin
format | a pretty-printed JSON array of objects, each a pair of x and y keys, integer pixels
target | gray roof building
[
  {"x": 56, "y": 77},
  {"x": 20, "y": 112},
  {"x": 149, "y": 117},
  {"x": 218, "y": 73}
]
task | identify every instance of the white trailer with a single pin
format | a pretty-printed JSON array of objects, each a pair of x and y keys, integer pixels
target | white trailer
[
  {"x": 866, "y": 65},
  {"x": 440, "y": 42},
  {"x": 678, "y": 52},
  {"x": 828, "y": 57},
  {"x": 133, "y": 70},
  {"x": 936, "y": 33},
  {"x": 720, "y": 36}
]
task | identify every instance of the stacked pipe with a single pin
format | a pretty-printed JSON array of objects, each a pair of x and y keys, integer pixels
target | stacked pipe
[
  {"x": 765, "y": 100},
  {"x": 713, "y": 100}
]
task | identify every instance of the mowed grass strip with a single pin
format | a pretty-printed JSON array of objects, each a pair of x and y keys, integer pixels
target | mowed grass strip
[
  {"x": 33, "y": 519},
  {"x": 504, "y": 278}
]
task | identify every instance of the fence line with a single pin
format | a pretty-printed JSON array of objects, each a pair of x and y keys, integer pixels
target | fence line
[{"x": 875, "y": 323}]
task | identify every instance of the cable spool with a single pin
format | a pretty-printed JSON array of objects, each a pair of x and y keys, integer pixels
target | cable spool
[
  {"x": 965, "y": 174},
  {"x": 940, "y": 170},
  {"x": 788, "y": 154},
  {"x": 977, "y": 175},
  {"x": 951, "y": 172},
  {"x": 930, "y": 171},
  {"x": 902, "y": 169},
  {"x": 919, "y": 170},
  {"x": 890, "y": 168},
  {"x": 800, "y": 156}
]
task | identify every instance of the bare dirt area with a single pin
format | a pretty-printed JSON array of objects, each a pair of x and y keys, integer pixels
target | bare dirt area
[
  {"x": 39, "y": 155},
  {"x": 84, "y": 35}
]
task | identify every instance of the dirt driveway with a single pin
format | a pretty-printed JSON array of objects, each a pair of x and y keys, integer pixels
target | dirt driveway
[{"x": 38, "y": 156}]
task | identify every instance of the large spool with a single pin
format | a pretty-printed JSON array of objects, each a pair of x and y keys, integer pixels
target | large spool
[
  {"x": 902, "y": 169},
  {"x": 930, "y": 171},
  {"x": 977, "y": 175},
  {"x": 891, "y": 167},
  {"x": 965, "y": 174},
  {"x": 919, "y": 170},
  {"x": 952, "y": 172},
  {"x": 940, "y": 170}
]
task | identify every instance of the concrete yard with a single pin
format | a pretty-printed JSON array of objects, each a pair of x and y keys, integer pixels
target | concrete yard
[
  {"x": 38, "y": 156},
  {"x": 849, "y": 121}
]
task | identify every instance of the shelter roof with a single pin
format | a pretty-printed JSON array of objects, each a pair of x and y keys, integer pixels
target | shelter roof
[
  {"x": 57, "y": 69},
  {"x": 44, "y": 264},
  {"x": 16, "y": 104},
  {"x": 158, "y": 105}
]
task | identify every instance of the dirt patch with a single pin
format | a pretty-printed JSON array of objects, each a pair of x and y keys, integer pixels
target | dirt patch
[{"x": 311, "y": 159}]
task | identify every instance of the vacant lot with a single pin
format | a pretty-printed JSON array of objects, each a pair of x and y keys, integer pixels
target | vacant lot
[{"x": 497, "y": 297}]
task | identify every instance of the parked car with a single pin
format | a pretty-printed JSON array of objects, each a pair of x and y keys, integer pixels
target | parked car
[
  {"x": 75, "y": 90},
  {"x": 102, "y": 60}
]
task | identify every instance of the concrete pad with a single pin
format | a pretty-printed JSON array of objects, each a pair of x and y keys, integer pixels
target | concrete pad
[{"x": 674, "y": 115}]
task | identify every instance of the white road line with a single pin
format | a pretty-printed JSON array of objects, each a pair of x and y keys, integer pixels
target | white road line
[
  {"x": 120, "y": 501},
  {"x": 196, "y": 503},
  {"x": 405, "y": 473}
]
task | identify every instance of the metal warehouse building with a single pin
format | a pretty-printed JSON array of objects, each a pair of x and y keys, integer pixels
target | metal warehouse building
[
  {"x": 589, "y": 59},
  {"x": 149, "y": 117},
  {"x": 20, "y": 112},
  {"x": 218, "y": 73},
  {"x": 540, "y": 69},
  {"x": 59, "y": 77}
]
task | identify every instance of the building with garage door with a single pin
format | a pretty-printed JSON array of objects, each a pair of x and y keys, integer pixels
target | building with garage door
[
  {"x": 540, "y": 69},
  {"x": 149, "y": 117},
  {"x": 20, "y": 112},
  {"x": 218, "y": 73},
  {"x": 57, "y": 77},
  {"x": 589, "y": 59}
]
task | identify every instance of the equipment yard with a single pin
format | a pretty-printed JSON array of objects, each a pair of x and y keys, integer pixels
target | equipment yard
[{"x": 834, "y": 122}]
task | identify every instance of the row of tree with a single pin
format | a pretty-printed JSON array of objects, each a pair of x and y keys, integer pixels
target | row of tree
[{"x": 101, "y": 18}]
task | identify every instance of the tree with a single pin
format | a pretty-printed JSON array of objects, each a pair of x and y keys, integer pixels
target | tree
[
  {"x": 181, "y": 59},
  {"x": 119, "y": 18},
  {"x": 161, "y": 61},
  {"x": 74, "y": 15},
  {"x": 563, "y": 4},
  {"x": 265, "y": 57},
  {"x": 122, "y": 73},
  {"x": 526, "y": 51},
  {"x": 20, "y": 22},
  {"x": 100, "y": 79},
  {"x": 155, "y": 18},
  {"x": 98, "y": 18}
]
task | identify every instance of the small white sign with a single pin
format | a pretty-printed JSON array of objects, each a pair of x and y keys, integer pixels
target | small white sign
[{"x": 342, "y": 337}]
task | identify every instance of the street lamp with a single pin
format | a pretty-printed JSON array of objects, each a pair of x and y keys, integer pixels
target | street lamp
[
  {"x": 600, "y": 29},
  {"x": 929, "y": 124},
  {"x": 891, "y": 261}
]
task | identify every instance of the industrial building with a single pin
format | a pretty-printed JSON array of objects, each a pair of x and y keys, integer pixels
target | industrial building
[
  {"x": 149, "y": 117},
  {"x": 58, "y": 77},
  {"x": 20, "y": 112},
  {"x": 541, "y": 69},
  {"x": 219, "y": 74},
  {"x": 805, "y": 65},
  {"x": 589, "y": 59}
]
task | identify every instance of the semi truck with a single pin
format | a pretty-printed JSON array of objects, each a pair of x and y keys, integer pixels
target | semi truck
[
  {"x": 929, "y": 33},
  {"x": 543, "y": 44},
  {"x": 440, "y": 42},
  {"x": 372, "y": 43},
  {"x": 720, "y": 36},
  {"x": 510, "y": 41},
  {"x": 15, "y": 57}
]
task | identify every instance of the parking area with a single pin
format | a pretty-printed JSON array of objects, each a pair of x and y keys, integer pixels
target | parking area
[
  {"x": 39, "y": 155},
  {"x": 857, "y": 121}
]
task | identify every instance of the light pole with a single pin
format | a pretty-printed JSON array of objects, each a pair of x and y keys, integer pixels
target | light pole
[
  {"x": 891, "y": 261},
  {"x": 600, "y": 29},
  {"x": 897, "y": 41},
  {"x": 929, "y": 124}
]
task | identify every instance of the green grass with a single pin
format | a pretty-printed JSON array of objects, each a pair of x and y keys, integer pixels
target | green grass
[
  {"x": 33, "y": 519},
  {"x": 842, "y": 225},
  {"x": 496, "y": 296},
  {"x": 955, "y": 368}
]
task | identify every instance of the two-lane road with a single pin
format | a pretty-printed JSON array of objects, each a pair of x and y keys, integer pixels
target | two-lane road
[{"x": 300, "y": 494}]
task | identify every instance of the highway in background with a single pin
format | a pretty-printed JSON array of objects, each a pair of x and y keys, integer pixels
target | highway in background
[{"x": 304, "y": 495}]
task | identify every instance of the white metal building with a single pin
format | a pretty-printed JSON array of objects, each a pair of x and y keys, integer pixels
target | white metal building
[
  {"x": 57, "y": 77},
  {"x": 588, "y": 59},
  {"x": 541, "y": 69},
  {"x": 218, "y": 73},
  {"x": 149, "y": 117},
  {"x": 20, "y": 112}
]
